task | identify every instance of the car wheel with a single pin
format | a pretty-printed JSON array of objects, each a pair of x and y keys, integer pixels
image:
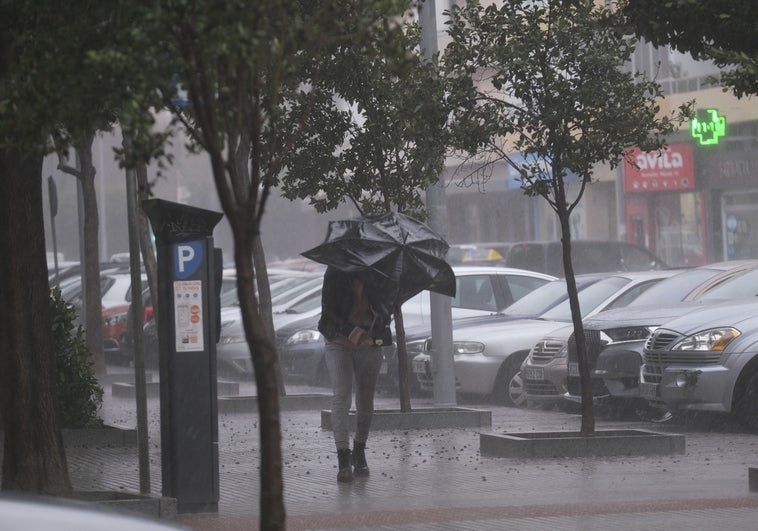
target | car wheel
[
  {"x": 509, "y": 387},
  {"x": 747, "y": 410}
]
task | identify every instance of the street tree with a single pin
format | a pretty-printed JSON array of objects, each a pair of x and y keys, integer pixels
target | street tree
[
  {"x": 252, "y": 72},
  {"x": 545, "y": 80},
  {"x": 40, "y": 106},
  {"x": 54, "y": 93},
  {"x": 725, "y": 31},
  {"x": 387, "y": 117}
]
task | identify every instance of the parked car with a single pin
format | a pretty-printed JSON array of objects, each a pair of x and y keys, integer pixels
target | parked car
[
  {"x": 588, "y": 256},
  {"x": 488, "y": 353},
  {"x": 615, "y": 339},
  {"x": 115, "y": 296},
  {"x": 706, "y": 360},
  {"x": 545, "y": 370},
  {"x": 479, "y": 291}
]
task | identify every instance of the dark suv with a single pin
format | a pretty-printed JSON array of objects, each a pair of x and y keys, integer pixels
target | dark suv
[{"x": 588, "y": 256}]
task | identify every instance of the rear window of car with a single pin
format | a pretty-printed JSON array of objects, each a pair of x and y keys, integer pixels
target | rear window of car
[
  {"x": 739, "y": 287},
  {"x": 674, "y": 289},
  {"x": 589, "y": 298}
]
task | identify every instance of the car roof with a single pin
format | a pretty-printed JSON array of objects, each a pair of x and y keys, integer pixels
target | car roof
[{"x": 483, "y": 270}]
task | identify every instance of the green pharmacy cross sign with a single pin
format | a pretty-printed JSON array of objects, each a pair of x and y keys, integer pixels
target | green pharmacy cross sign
[{"x": 708, "y": 127}]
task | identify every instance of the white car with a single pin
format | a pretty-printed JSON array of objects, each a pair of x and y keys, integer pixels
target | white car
[
  {"x": 480, "y": 291},
  {"x": 488, "y": 353}
]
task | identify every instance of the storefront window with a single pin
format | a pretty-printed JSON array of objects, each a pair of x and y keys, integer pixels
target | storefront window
[
  {"x": 678, "y": 225},
  {"x": 740, "y": 222}
]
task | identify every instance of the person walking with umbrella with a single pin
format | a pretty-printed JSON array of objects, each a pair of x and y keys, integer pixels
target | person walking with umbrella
[
  {"x": 355, "y": 329},
  {"x": 374, "y": 265}
]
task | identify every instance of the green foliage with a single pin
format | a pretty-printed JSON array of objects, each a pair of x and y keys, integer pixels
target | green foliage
[
  {"x": 79, "y": 394},
  {"x": 725, "y": 31},
  {"x": 546, "y": 79},
  {"x": 386, "y": 112}
]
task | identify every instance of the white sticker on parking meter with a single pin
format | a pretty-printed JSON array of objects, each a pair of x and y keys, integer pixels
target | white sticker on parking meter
[{"x": 188, "y": 315}]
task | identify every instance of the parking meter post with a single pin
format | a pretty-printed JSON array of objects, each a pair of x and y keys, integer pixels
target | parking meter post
[{"x": 187, "y": 333}]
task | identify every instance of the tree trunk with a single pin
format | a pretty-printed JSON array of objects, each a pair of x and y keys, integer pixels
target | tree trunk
[
  {"x": 588, "y": 414},
  {"x": 34, "y": 459},
  {"x": 146, "y": 243},
  {"x": 264, "y": 300},
  {"x": 93, "y": 320},
  {"x": 266, "y": 367}
]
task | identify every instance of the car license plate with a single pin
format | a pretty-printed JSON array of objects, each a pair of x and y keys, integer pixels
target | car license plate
[
  {"x": 573, "y": 369},
  {"x": 649, "y": 391},
  {"x": 533, "y": 373},
  {"x": 419, "y": 366}
]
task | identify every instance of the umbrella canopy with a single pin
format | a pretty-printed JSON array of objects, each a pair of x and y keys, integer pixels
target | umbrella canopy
[{"x": 397, "y": 251}]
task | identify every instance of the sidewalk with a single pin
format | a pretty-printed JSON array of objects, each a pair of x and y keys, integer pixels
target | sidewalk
[{"x": 435, "y": 479}]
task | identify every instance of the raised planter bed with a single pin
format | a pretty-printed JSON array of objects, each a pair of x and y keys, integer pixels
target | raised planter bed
[
  {"x": 249, "y": 404},
  {"x": 421, "y": 418},
  {"x": 604, "y": 443},
  {"x": 143, "y": 504}
]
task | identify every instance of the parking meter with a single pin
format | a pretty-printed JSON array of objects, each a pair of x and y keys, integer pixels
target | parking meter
[{"x": 187, "y": 319}]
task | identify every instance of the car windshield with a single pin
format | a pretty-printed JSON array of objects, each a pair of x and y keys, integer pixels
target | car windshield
[
  {"x": 288, "y": 288},
  {"x": 739, "y": 287},
  {"x": 589, "y": 298},
  {"x": 542, "y": 299},
  {"x": 281, "y": 289},
  {"x": 311, "y": 302},
  {"x": 674, "y": 289}
]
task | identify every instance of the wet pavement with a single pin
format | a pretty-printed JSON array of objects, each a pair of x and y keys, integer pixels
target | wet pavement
[{"x": 436, "y": 479}]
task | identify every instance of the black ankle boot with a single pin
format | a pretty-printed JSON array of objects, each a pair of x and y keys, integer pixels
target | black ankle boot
[
  {"x": 345, "y": 474},
  {"x": 360, "y": 467}
]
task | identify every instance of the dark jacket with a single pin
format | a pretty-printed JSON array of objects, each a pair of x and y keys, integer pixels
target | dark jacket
[{"x": 337, "y": 301}]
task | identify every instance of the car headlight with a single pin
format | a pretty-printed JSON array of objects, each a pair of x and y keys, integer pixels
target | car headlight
[
  {"x": 563, "y": 352},
  {"x": 303, "y": 336},
  {"x": 631, "y": 333},
  {"x": 467, "y": 347},
  {"x": 715, "y": 339}
]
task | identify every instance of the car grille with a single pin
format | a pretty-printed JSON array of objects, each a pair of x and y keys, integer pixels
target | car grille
[
  {"x": 594, "y": 346},
  {"x": 540, "y": 388},
  {"x": 661, "y": 339},
  {"x": 545, "y": 351},
  {"x": 657, "y": 357}
]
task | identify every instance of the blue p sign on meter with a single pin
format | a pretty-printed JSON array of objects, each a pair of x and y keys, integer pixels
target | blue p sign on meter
[{"x": 188, "y": 256}]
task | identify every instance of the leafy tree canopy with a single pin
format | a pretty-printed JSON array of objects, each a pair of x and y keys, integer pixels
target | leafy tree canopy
[
  {"x": 545, "y": 79},
  {"x": 725, "y": 31},
  {"x": 386, "y": 114}
]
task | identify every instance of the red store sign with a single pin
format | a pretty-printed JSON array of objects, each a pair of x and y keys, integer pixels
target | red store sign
[{"x": 670, "y": 169}]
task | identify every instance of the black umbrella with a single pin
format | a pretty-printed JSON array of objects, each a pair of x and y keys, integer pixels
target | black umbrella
[{"x": 399, "y": 252}]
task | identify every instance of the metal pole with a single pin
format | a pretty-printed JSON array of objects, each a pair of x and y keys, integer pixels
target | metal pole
[
  {"x": 53, "y": 199},
  {"x": 443, "y": 368},
  {"x": 136, "y": 330}
]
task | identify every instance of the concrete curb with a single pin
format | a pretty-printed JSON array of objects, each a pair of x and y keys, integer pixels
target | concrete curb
[
  {"x": 132, "y": 502},
  {"x": 249, "y": 404},
  {"x": 423, "y": 418},
  {"x": 128, "y": 389}
]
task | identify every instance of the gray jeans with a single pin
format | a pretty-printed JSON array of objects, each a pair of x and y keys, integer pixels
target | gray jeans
[{"x": 344, "y": 363}]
